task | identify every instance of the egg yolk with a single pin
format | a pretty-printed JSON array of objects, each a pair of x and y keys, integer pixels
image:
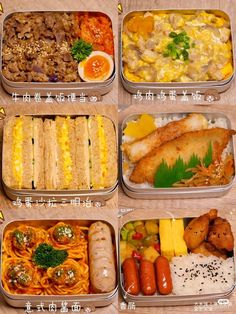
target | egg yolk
[{"x": 97, "y": 67}]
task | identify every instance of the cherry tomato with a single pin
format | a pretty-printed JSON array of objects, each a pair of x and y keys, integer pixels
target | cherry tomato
[
  {"x": 157, "y": 247},
  {"x": 137, "y": 236}
]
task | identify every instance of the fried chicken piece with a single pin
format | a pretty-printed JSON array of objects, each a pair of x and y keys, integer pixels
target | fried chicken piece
[
  {"x": 196, "y": 142},
  {"x": 220, "y": 235},
  {"x": 197, "y": 230},
  {"x": 207, "y": 249},
  {"x": 140, "y": 148}
]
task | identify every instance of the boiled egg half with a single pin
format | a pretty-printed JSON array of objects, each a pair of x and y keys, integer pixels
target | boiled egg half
[{"x": 97, "y": 67}]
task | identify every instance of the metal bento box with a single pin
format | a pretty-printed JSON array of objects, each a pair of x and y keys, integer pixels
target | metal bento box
[
  {"x": 153, "y": 254},
  {"x": 144, "y": 177},
  {"x": 59, "y": 157},
  {"x": 80, "y": 228},
  {"x": 169, "y": 58},
  {"x": 42, "y": 52}
]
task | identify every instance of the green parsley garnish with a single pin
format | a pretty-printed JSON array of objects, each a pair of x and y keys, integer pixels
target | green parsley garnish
[
  {"x": 81, "y": 50},
  {"x": 19, "y": 236},
  {"x": 46, "y": 256},
  {"x": 178, "y": 48},
  {"x": 166, "y": 176}
]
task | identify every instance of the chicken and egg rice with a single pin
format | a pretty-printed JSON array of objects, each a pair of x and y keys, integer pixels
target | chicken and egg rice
[{"x": 176, "y": 47}]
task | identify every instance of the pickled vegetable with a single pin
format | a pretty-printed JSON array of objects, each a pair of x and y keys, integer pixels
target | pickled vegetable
[
  {"x": 129, "y": 226},
  {"x": 140, "y": 128},
  {"x": 130, "y": 235}
]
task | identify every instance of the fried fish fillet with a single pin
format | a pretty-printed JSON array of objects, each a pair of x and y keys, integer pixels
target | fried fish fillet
[
  {"x": 140, "y": 148},
  {"x": 196, "y": 142}
]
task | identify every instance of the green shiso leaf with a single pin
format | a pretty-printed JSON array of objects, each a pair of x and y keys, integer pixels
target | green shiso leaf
[
  {"x": 166, "y": 176},
  {"x": 207, "y": 160}
]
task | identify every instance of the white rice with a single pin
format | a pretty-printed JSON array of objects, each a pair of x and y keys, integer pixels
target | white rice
[
  {"x": 162, "y": 121},
  {"x": 198, "y": 274}
]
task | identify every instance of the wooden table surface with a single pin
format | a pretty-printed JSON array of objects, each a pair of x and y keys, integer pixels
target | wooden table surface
[
  {"x": 127, "y": 105},
  {"x": 108, "y": 107},
  {"x": 179, "y": 207}
]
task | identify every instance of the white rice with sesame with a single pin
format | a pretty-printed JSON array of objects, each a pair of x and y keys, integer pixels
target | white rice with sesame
[
  {"x": 198, "y": 274},
  {"x": 160, "y": 122}
]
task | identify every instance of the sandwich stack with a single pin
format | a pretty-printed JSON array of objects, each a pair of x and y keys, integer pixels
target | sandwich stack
[{"x": 60, "y": 153}]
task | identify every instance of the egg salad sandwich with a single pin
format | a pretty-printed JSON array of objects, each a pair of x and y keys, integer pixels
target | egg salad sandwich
[
  {"x": 103, "y": 155},
  {"x": 61, "y": 153}
]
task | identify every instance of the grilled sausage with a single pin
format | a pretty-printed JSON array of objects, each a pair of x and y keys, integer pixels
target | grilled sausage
[
  {"x": 101, "y": 258},
  {"x": 131, "y": 280},
  {"x": 147, "y": 277},
  {"x": 163, "y": 275}
]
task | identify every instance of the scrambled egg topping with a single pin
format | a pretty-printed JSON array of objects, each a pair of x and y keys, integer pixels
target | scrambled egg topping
[
  {"x": 103, "y": 153},
  {"x": 146, "y": 37},
  {"x": 63, "y": 140},
  {"x": 103, "y": 149},
  {"x": 17, "y": 151}
]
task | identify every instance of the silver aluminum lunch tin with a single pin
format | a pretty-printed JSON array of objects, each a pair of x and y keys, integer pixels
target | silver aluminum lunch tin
[
  {"x": 91, "y": 300},
  {"x": 179, "y": 87},
  {"x": 60, "y": 195},
  {"x": 134, "y": 191},
  {"x": 168, "y": 300},
  {"x": 51, "y": 88}
]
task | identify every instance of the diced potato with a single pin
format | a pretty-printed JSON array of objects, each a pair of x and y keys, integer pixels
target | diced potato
[
  {"x": 122, "y": 251},
  {"x": 151, "y": 227},
  {"x": 129, "y": 250},
  {"x": 150, "y": 254},
  {"x": 137, "y": 223},
  {"x": 141, "y": 229}
]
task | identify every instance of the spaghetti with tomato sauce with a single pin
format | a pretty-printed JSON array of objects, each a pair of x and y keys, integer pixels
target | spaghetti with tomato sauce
[{"x": 22, "y": 275}]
